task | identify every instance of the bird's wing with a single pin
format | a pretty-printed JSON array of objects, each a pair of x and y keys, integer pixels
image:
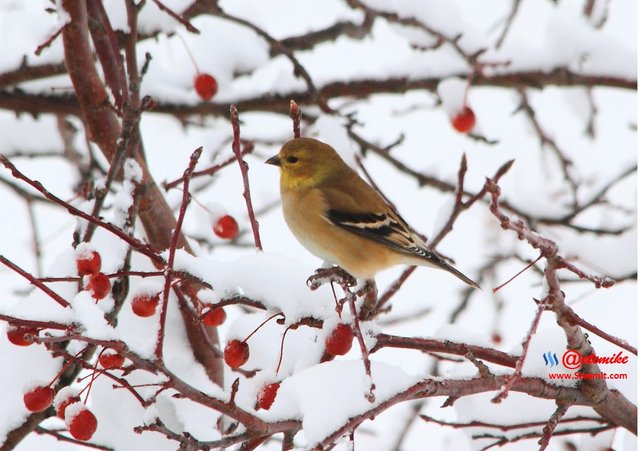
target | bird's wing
[
  {"x": 383, "y": 227},
  {"x": 374, "y": 219}
]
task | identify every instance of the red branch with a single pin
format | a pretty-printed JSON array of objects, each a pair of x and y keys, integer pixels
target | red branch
[
  {"x": 49, "y": 41},
  {"x": 186, "y": 197},
  {"x": 573, "y": 316},
  {"x": 38, "y": 324},
  {"x": 136, "y": 244},
  {"x": 244, "y": 170},
  {"x": 550, "y": 427},
  {"x": 504, "y": 392},
  {"x": 247, "y": 147},
  {"x": 183, "y": 21},
  {"x": 363, "y": 347},
  {"x": 445, "y": 347},
  {"x": 619, "y": 409},
  {"x": 506, "y": 427},
  {"x": 55, "y": 296},
  {"x": 295, "y": 114}
]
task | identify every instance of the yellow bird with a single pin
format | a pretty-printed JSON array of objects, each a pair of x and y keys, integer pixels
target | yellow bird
[{"x": 338, "y": 217}]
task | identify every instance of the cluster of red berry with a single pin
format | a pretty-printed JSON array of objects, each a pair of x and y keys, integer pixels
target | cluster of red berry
[
  {"x": 80, "y": 421},
  {"x": 236, "y": 354},
  {"x": 89, "y": 262}
]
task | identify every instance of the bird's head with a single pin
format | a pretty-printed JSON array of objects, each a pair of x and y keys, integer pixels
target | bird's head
[{"x": 306, "y": 162}]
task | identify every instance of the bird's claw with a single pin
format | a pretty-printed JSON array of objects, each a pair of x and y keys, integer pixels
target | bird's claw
[{"x": 328, "y": 275}]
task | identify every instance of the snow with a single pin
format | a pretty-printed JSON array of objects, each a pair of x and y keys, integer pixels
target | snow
[
  {"x": 89, "y": 314},
  {"x": 275, "y": 17},
  {"x": 38, "y": 305},
  {"x": 452, "y": 94},
  {"x": 63, "y": 394},
  {"x": 72, "y": 411},
  {"x": 278, "y": 282},
  {"x": 544, "y": 36},
  {"x": 29, "y": 367},
  {"x": 83, "y": 251},
  {"x": 333, "y": 130},
  {"x": 63, "y": 16},
  {"x": 123, "y": 198},
  {"x": 140, "y": 333},
  {"x": 614, "y": 256},
  {"x": 456, "y": 333},
  {"x": 318, "y": 392}
]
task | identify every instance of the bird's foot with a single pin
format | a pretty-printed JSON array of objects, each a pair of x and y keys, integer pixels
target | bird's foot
[{"x": 328, "y": 275}]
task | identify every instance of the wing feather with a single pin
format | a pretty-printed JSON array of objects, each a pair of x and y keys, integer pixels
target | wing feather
[
  {"x": 385, "y": 228},
  {"x": 379, "y": 222}
]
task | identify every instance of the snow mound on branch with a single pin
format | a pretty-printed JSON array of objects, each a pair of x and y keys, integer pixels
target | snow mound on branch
[
  {"x": 326, "y": 396},
  {"x": 277, "y": 282}
]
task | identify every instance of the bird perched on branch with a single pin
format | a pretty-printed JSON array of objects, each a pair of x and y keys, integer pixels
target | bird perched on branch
[{"x": 338, "y": 217}]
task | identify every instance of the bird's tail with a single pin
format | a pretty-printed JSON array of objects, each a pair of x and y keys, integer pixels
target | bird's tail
[
  {"x": 447, "y": 267},
  {"x": 431, "y": 258}
]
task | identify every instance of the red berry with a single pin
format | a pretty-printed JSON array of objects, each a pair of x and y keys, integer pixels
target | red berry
[
  {"x": 214, "y": 317},
  {"x": 38, "y": 399},
  {"x": 110, "y": 359},
  {"x": 464, "y": 121},
  {"x": 206, "y": 86},
  {"x": 267, "y": 395},
  {"x": 339, "y": 342},
  {"x": 236, "y": 353},
  {"x": 88, "y": 263},
  {"x": 81, "y": 422},
  {"x": 21, "y": 335},
  {"x": 65, "y": 397},
  {"x": 145, "y": 305},
  {"x": 226, "y": 227},
  {"x": 62, "y": 407},
  {"x": 99, "y": 285}
]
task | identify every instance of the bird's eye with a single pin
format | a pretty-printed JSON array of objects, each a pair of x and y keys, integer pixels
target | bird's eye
[{"x": 292, "y": 159}]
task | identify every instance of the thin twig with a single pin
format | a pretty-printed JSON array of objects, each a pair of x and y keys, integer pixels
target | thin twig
[
  {"x": 49, "y": 40},
  {"x": 394, "y": 287},
  {"x": 550, "y": 427},
  {"x": 504, "y": 392},
  {"x": 177, "y": 17},
  {"x": 295, "y": 114},
  {"x": 52, "y": 294},
  {"x": 172, "y": 250},
  {"x": 573, "y": 316},
  {"x": 507, "y": 427},
  {"x": 363, "y": 347},
  {"x": 298, "y": 69},
  {"x": 444, "y": 347},
  {"x": 139, "y": 246},
  {"x": 566, "y": 165},
  {"x": 247, "y": 147},
  {"x": 63, "y": 438},
  {"x": 244, "y": 170},
  {"x": 503, "y": 440},
  {"x": 515, "y": 6}
]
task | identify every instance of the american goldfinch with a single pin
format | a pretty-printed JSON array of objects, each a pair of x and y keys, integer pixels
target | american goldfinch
[{"x": 338, "y": 217}]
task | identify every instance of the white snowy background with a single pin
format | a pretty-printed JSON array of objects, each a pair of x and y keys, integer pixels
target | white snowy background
[{"x": 544, "y": 35}]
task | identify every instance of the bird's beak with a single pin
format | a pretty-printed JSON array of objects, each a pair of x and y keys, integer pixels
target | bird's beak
[{"x": 274, "y": 160}]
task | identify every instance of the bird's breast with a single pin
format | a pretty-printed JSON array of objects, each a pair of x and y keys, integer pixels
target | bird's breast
[{"x": 304, "y": 214}]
